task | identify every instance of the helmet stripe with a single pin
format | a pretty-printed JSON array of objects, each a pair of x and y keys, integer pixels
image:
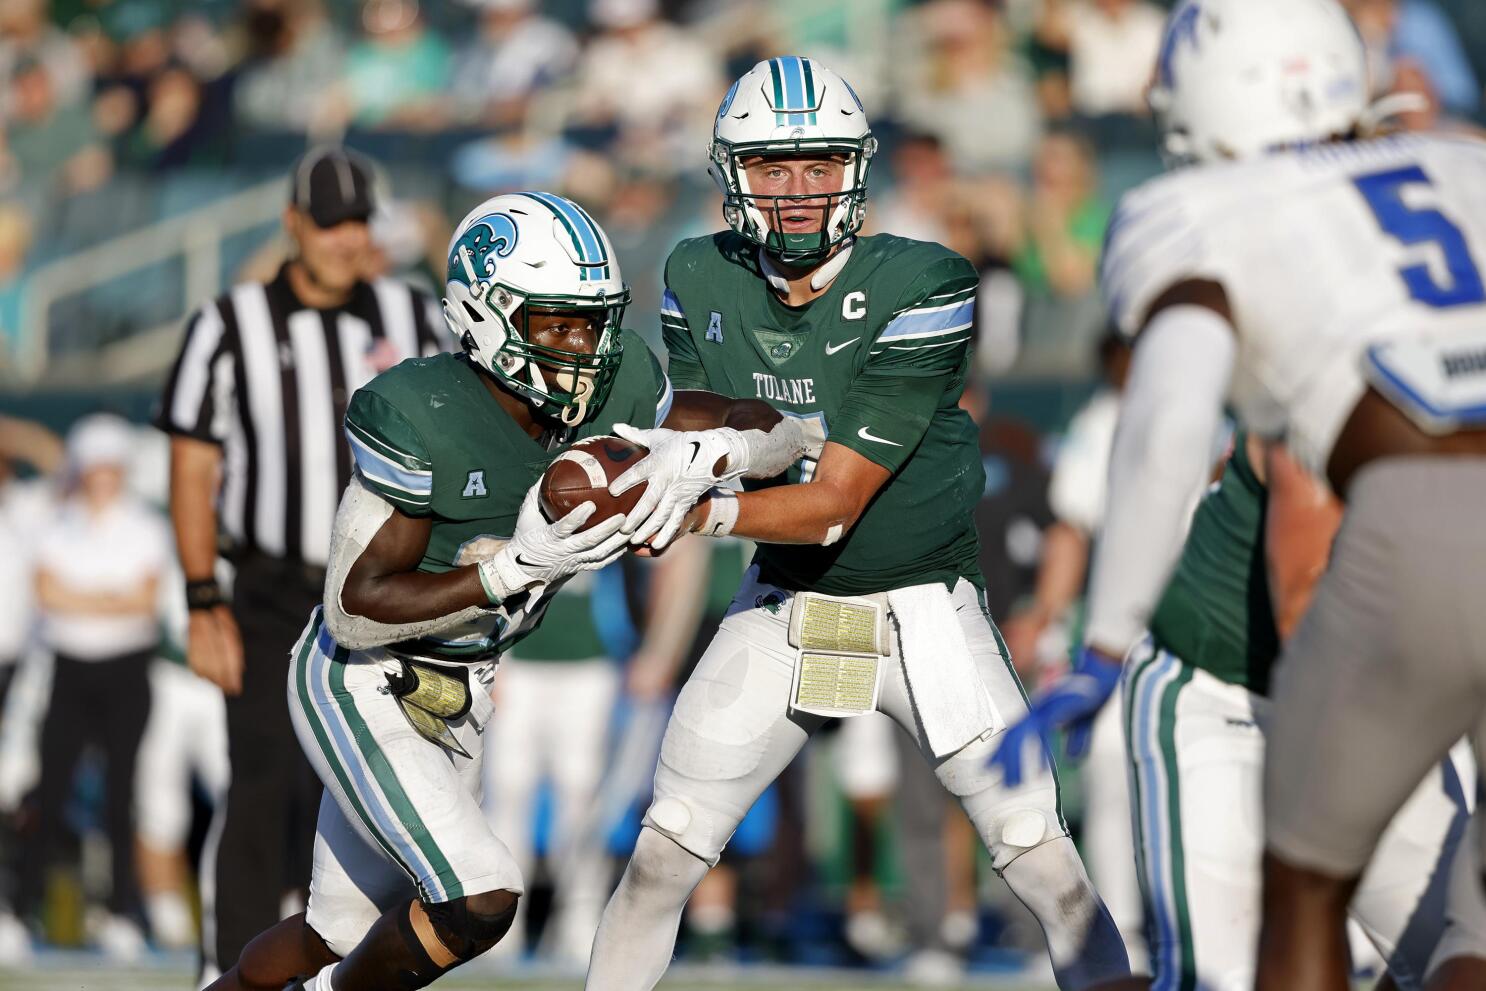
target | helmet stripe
[
  {"x": 774, "y": 74},
  {"x": 794, "y": 87},
  {"x": 581, "y": 229},
  {"x": 794, "y": 90}
]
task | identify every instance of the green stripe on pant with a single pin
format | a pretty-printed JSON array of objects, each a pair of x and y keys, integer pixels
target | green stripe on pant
[
  {"x": 312, "y": 716},
  {"x": 381, "y": 768}
]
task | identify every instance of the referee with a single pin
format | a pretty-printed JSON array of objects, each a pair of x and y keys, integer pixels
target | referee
[{"x": 258, "y": 462}]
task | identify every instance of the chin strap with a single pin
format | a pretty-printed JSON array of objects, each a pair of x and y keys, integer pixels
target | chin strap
[{"x": 823, "y": 275}]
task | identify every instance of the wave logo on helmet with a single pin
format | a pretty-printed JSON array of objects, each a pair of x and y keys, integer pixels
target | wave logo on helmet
[
  {"x": 1183, "y": 28},
  {"x": 475, "y": 253},
  {"x": 727, "y": 101}
]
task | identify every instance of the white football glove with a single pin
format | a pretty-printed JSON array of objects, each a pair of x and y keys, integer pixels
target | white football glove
[
  {"x": 677, "y": 472},
  {"x": 542, "y": 553}
]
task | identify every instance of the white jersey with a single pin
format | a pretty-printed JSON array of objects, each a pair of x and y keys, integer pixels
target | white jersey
[{"x": 1344, "y": 264}]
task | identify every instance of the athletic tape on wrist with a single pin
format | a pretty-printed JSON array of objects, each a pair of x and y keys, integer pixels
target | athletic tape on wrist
[
  {"x": 722, "y": 513},
  {"x": 490, "y": 580}
]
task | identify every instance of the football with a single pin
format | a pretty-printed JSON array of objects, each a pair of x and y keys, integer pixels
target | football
[{"x": 582, "y": 474}]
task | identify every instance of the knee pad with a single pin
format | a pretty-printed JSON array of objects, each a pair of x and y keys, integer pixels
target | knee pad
[
  {"x": 465, "y": 932},
  {"x": 689, "y": 828},
  {"x": 1009, "y": 828}
]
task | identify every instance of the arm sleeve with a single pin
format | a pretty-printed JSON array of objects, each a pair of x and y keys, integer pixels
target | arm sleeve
[
  {"x": 685, "y": 365},
  {"x": 198, "y": 395},
  {"x": 390, "y": 455},
  {"x": 918, "y": 356},
  {"x": 1153, "y": 242},
  {"x": 1172, "y": 407}
]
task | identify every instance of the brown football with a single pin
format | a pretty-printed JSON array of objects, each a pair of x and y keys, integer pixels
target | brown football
[{"x": 582, "y": 474}]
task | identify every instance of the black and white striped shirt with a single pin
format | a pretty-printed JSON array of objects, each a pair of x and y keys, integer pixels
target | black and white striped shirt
[{"x": 268, "y": 378}]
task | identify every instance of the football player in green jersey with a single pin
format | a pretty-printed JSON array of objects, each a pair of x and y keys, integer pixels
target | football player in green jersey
[
  {"x": 1197, "y": 704},
  {"x": 440, "y": 559},
  {"x": 865, "y": 593}
]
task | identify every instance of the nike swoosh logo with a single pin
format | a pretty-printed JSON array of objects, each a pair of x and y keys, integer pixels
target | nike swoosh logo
[
  {"x": 866, "y": 434},
  {"x": 525, "y": 564},
  {"x": 695, "y": 450},
  {"x": 833, "y": 348}
]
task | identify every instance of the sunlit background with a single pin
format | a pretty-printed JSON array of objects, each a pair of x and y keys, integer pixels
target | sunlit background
[{"x": 144, "y": 147}]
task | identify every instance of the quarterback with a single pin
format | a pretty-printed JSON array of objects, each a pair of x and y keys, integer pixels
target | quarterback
[
  {"x": 865, "y": 593},
  {"x": 1328, "y": 285},
  {"x": 440, "y": 559}
]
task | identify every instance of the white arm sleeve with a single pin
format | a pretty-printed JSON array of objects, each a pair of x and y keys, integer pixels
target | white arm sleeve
[
  {"x": 1172, "y": 408},
  {"x": 361, "y": 514}
]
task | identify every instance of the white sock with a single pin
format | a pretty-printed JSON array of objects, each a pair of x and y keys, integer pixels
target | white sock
[
  {"x": 637, "y": 935},
  {"x": 170, "y": 919},
  {"x": 1082, "y": 940},
  {"x": 321, "y": 981}
]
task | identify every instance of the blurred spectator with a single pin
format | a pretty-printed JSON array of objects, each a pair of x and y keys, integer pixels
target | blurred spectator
[
  {"x": 660, "y": 118},
  {"x": 26, "y": 35},
  {"x": 98, "y": 567},
  {"x": 923, "y": 188},
  {"x": 1418, "y": 35},
  {"x": 25, "y": 506},
  {"x": 1066, "y": 218},
  {"x": 963, "y": 83},
  {"x": 294, "y": 58},
  {"x": 1111, "y": 47},
  {"x": 140, "y": 52},
  {"x": 516, "y": 54},
  {"x": 397, "y": 75},
  {"x": 52, "y": 147},
  {"x": 173, "y": 131},
  {"x": 866, "y": 762},
  {"x": 408, "y": 241},
  {"x": 15, "y": 244}
]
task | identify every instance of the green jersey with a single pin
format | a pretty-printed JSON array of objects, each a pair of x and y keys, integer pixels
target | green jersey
[
  {"x": 428, "y": 437},
  {"x": 1216, "y": 613},
  {"x": 876, "y": 364},
  {"x": 568, "y": 632}
]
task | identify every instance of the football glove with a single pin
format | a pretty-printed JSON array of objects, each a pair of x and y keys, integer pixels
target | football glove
[
  {"x": 1072, "y": 703},
  {"x": 542, "y": 553},
  {"x": 678, "y": 471}
]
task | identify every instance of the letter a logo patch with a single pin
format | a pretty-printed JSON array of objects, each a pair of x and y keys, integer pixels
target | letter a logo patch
[
  {"x": 714, "y": 327},
  {"x": 474, "y": 486}
]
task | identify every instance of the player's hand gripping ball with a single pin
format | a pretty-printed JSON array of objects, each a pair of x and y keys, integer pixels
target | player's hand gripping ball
[{"x": 582, "y": 474}]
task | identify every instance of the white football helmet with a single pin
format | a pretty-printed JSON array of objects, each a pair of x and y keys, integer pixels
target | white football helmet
[
  {"x": 790, "y": 106},
  {"x": 536, "y": 251},
  {"x": 1237, "y": 78}
]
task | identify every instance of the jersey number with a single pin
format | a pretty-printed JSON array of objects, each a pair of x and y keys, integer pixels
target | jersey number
[{"x": 1384, "y": 194}]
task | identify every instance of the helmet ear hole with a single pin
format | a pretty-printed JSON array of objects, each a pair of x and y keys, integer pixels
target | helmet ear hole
[{"x": 473, "y": 313}]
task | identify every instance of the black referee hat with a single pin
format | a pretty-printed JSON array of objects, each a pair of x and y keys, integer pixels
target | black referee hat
[{"x": 332, "y": 185}]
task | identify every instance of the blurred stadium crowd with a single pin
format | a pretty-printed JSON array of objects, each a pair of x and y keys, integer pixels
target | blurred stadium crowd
[{"x": 1008, "y": 126}]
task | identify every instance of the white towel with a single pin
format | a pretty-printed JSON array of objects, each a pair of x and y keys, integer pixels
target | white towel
[{"x": 953, "y": 704}]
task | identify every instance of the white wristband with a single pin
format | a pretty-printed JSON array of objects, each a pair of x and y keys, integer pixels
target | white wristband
[
  {"x": 722, "y": 513},
  {"x": 498, "y": 587}
]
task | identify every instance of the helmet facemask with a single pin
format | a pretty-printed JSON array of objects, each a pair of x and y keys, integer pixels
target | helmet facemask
[
  {"x": 570, "y": 383},
  {"x": 758, "y": 217}
]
